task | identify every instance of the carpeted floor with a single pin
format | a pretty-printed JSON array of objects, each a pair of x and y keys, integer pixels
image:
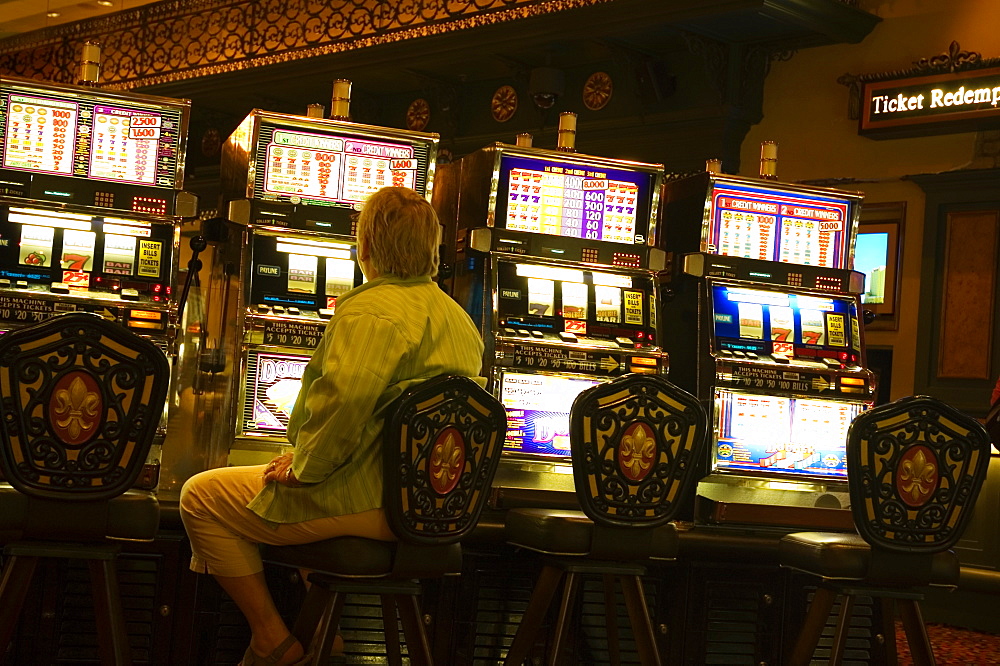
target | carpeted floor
[{"x": 953, "y": 646}]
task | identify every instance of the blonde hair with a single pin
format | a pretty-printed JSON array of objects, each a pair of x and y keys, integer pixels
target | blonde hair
[{"x": 401, "y": 232}]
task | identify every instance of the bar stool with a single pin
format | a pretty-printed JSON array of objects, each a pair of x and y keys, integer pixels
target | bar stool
[
  {"x": 915, "y": 467},
  {"x": 442, "y": 443},
  {"x": 82, "y": 398},
  {"x": 635, "y": 442}
]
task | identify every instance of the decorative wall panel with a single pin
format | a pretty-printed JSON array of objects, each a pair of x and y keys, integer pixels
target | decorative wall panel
[
  {"x": 171, "y": 41},
  {"x": 968, "y": 295}
]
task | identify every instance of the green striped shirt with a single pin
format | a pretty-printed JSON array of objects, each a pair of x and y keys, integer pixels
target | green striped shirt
[{"x": 386, "y": 335}]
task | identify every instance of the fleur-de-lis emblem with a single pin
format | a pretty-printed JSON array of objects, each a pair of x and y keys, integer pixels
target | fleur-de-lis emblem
[
  {"x": 637, "y": 450},
  {"x": 918, "y": 476},
  {"x": 76, "y": 409},
  {"x": 447, "y": 460}
]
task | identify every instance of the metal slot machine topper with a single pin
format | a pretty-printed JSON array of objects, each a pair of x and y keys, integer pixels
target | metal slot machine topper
[
  {"x": 292, "y": 186},
  {"x": 91, "y": 201},
  {"x": 554, "y": 264},
  {"x": 764, "y": 269}
]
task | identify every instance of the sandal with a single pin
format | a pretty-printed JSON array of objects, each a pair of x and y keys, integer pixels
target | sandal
[{"x": 251, "y": 658}]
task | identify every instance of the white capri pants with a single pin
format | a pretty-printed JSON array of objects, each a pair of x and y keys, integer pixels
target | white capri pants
[{"x": 225, "y": 534}]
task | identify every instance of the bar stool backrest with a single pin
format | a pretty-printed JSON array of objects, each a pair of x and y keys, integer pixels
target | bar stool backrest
[
  {"x": 915, "y": 467},
  {"x": 442, "y": 445},
  {"x": 82, "y": 398},
  {"x": 636, "y": 443}
]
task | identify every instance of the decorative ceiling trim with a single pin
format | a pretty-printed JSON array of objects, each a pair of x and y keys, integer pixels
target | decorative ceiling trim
[{"x": 182, "y": 39}]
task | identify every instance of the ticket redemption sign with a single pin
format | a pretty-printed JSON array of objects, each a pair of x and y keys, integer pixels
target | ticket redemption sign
[{"x": 965, "y": 101}]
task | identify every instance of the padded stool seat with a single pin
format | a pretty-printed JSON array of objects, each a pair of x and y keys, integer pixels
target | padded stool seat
[
  {"x": 849, "y": 557},
  {"x": 132, "y": 515},
  {"x": 573, "y": 533},
  {"x": 355, "y": 557}
]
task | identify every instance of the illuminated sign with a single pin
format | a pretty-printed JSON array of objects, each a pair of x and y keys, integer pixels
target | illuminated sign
[{"x": 938, "y": 104}]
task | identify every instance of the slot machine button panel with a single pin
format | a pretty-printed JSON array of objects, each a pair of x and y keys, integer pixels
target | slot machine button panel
[
  {"x": 4, "y": 282},
  {"x": 326, "y": 313},
  {"x": 623, "y": 342},
  {"x": 567, "y": 337},
  {"x": 263, "y": 309},
  {"x": 130, "y": 295},
  {"x": 725, "y": 352},
  {"x": 278, "y": 309},
  {"x": 751, "y": 355},
  {"x": 22, "y": 284},
  {"x": 523, "y": 332},
  {"x": 537, "y": 334},
  {"x": 509, "y": 331},
  {"x": 294, "y": 311},
  {"x": 778, "y": 358},
  {"x": 738, "y": 354},
  {"x": 58, "y": 288}
]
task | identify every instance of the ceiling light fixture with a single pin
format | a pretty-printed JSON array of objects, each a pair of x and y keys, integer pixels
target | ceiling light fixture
[
  {"x": 105, "y": 3},
  {"x": 52, "y": 14}
]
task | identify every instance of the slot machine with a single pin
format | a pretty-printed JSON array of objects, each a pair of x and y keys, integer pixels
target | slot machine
[
  {"x": 768, "y": 333},
  {"x": 91, "y": 203},
  {"x": 554, "y": 263},
  {"x": 292, "y": 186}
]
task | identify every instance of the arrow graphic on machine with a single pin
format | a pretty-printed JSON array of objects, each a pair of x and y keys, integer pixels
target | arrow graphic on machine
[
  {"x": 820, "y": 384},
  {"x": 609, "y": 363}
]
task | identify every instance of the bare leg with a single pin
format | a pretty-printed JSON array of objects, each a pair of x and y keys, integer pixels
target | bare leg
[{"x": 254, "y": 600}]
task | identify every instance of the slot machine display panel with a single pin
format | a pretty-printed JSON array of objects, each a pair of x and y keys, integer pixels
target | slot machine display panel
[
  {"x": 273, "y": 381},
  {"x": 538, "y": 407},
  {"x": 313, "y": 174},
  {"x": 586, "y": 307},
  {"x": 591, "y": 202},
  {"x": 775, "y": 325},
  {"x": 86, "y": 147},
  {"x": 107, "y": 258},
  {"x": 298, "y": 275},
  {"x": 761, "y": 220}
]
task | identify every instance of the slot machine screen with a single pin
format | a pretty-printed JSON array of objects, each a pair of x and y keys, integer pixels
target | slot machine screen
[
  {"x": 554, "y": 299},
  {"x": 272, "y": 386},
  {"x": 317, "y": 167},
  {"x": 775, "y": 225},
  {"x": 101, "y": 254},
  {"x": 559, "y": 198},
  {"x": 87, "y": 135},
  {"x": 538, "y": 412},
  {"x": 306, "y": 273},
  {"x": 768, "y": 322},
  {"x": 780, "y": 436}
]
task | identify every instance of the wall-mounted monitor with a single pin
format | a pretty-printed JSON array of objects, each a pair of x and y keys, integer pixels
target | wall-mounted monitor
[{"x": 877, "y": 253}]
